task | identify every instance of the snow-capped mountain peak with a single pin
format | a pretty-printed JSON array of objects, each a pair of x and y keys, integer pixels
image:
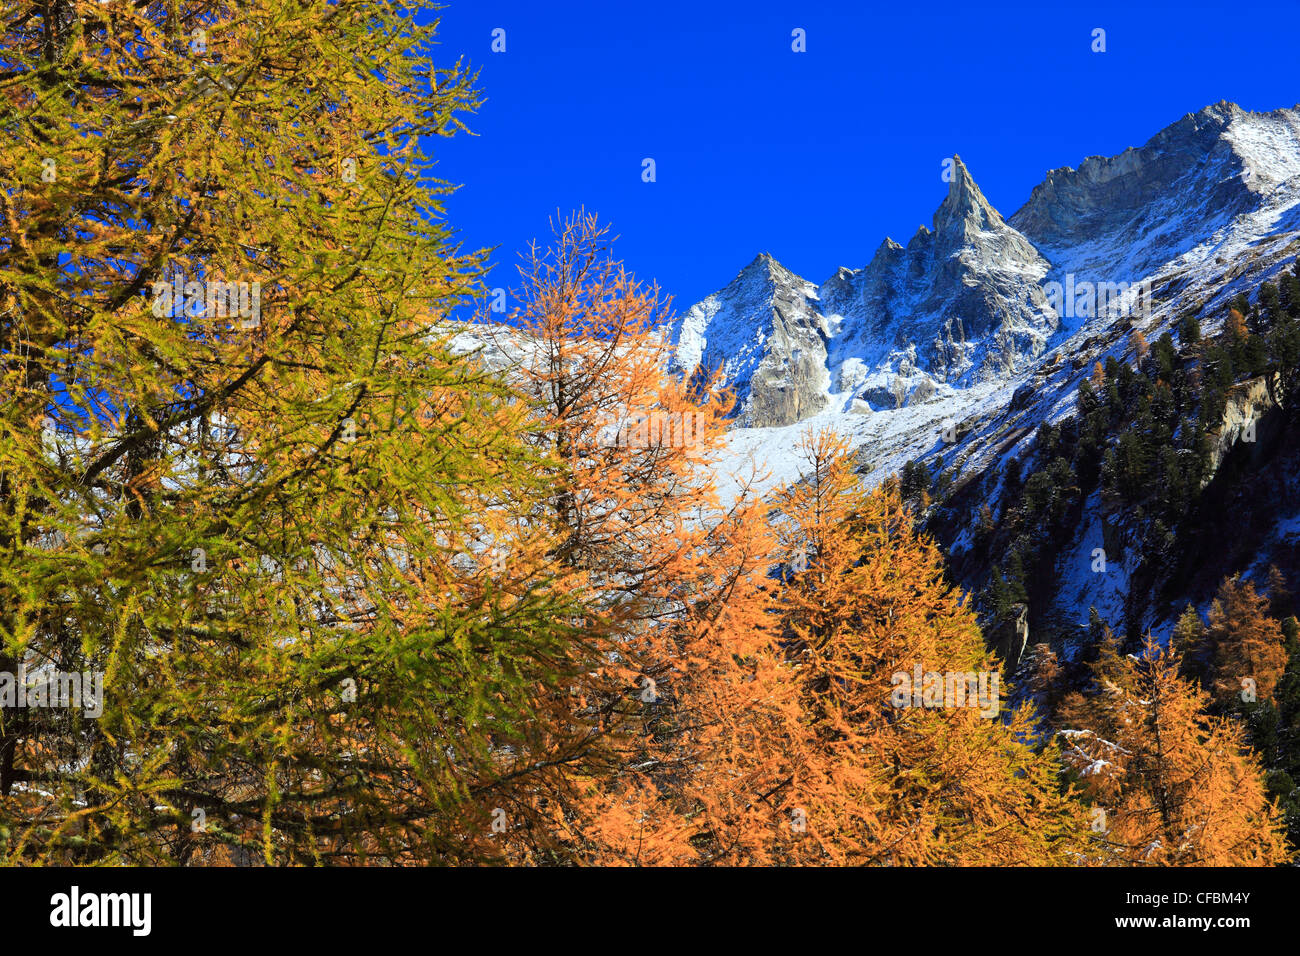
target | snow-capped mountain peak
[
  {"x": 964, "y": 210},
  {"x": 960, "y": 303},
  {"x": 763, "y": 329},
  {"x": 966, "y": 301}
]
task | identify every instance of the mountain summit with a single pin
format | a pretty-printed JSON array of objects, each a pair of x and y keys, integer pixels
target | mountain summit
[
  {"x": 965, "y": 211},
  {"x": 958, "y": 303},
  {"x": 765, "y": 332}
]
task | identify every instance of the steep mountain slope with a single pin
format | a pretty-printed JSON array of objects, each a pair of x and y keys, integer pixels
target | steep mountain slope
[
  {"x": 968, "y": 301},
  {"x": 960, "y": 304},
  {"x": 1131, "y": 214},
  {"x": 1208, "y": 209},
  {"x": 766, "y": 333}
]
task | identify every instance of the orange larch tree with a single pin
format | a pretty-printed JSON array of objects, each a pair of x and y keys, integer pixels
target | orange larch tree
[
  {"x": 1171, "y": 785},
  {"x": 642, "y": 536},
  {"x": 906, "y": 759},
  {"x": 1247, "y": 644}
]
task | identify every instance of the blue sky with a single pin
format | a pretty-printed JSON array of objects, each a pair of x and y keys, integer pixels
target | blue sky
[{"x": 815, "y": 157}]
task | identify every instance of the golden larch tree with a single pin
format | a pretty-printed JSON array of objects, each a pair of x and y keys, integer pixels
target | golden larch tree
[
  {"x": 907, "y": 758},
  {"x": 1170, "y": 784}
]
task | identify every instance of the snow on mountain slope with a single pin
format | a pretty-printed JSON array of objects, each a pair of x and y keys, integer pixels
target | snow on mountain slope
[
  {"x": 765, "y": 332},
  {"x": 883, "y": 441},
  {"x": 1126, "y": 215},
  {"x": 964, "y": 302},
  {"x": 961, "y": 303},
  {"x": 1208, "y": 209},
  {"x": 1188, "y": 195}
]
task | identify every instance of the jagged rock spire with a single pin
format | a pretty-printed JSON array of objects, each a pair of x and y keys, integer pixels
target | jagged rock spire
[{"x": 965, "y": 206}]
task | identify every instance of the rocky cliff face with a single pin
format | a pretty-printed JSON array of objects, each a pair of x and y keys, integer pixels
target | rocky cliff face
[
  {"x": 764, "y": 330},
  {"x": 1244, "y": 412},
  {"x": 1128, "y": 215},
  {"x": 961, "y": 302}
]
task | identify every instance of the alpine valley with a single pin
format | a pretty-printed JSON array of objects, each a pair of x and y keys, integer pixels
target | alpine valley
[{"x": 957, "y": 360}]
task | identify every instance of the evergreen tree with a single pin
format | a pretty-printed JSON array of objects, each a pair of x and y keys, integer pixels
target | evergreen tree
[
  {"x": 1166, "y": 357},
  {"x": 1188, "y": 639},
  {"x": 1280, "y": 599},
  {"x": 915, "y": 482}
]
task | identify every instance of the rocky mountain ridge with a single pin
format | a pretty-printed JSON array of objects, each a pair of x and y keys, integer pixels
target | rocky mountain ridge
[
  {"x": 1207, "y": 210},
  {"x": 965, "y": 302}
]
